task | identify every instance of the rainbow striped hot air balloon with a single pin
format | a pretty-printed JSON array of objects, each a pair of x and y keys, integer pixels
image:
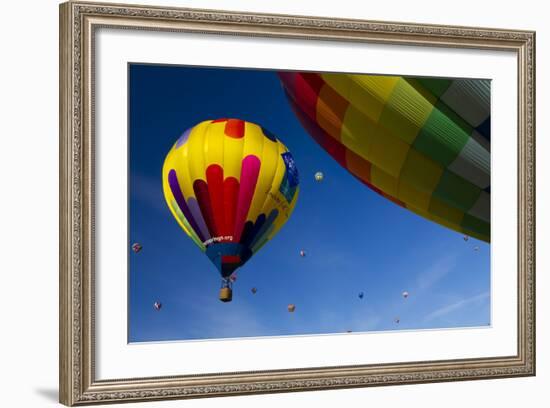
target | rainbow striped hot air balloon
[
  {"x": 231, "y": 185},
  {"x": 423, "y": 143}
]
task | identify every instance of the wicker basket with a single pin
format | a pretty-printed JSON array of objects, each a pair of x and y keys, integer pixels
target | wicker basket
[{"x": 226, "y": 294}]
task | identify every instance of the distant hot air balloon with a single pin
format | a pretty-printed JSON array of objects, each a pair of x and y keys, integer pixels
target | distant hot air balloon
[
  {"x": 136, "y": 247},
  {"x": 319, "y": 176},
  {"x": 157, "y": 305},
  {"x": 405, "y": 294},
  {"x": 231, "y": 185},
  {"x": 302, "y": 253},
  {"x": 361, "y": 295},
  {"x": 396, "y": 320},
  {"x": 476, "y": 248},
  {"x": 423, "y": 143},
  {"x": 466, "y": 238},
  {"x": 253, "y": 290},
  {"x": 291, "y": 308},
  {"x": 348, "y": 331}
]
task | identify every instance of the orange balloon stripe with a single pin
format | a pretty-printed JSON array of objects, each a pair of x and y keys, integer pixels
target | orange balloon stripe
[{"x": 331, "y": 109}]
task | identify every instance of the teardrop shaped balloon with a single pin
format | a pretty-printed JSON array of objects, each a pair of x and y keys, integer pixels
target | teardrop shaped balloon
[
  {"x": 231, "y": 185},
  {"x": 423, "y": 143}
]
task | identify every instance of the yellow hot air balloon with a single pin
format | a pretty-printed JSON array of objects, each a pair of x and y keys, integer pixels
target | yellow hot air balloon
[{"x": 231, "y": 185}]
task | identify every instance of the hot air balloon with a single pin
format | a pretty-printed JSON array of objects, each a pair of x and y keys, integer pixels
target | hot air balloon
[
  {"x": 396, "y": 320},
  {"x": 253, "y": 290},
  {"x": 302, "y": 253},
  {"x": 157, "y": 305},
  {"x": 136, "y": 247},
  {"x": 361, "y": 295},
  {"x": 476, "y": 248},
  {"x": 319, "y": 176},
  {"x": 230, "y": 185},
  {"x": 291, "y": 308},
  {"x": 405, "y": 294},
  {"x": 423, "y": 143},
  {"x": 466, "y": 237}
]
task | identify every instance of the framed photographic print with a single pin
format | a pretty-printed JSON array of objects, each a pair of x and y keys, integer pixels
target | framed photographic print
[{"x": 258, "y": 203}]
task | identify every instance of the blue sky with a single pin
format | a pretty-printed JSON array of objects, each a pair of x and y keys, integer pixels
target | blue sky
[{"x": 355, "y": 240}]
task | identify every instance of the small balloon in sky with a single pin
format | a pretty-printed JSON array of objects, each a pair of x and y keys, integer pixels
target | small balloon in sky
[
  {"x": 319, "y": 176},
  {"x": 396, "y": 320},
  {"x": 348, "y": 331},
  {"x": 253, "y": 290},
  {"x": 291, "y": 308},
  {"x": 361, "y": 295},
  {"x": 476, "y": 248},
  {"x": 136, "y": 247},
  {"x": 466, "y": 237},
  {"x": 302, "y": 253},
  {"x": 405, "y": 294},
  {"x": 157, "y": 305}
]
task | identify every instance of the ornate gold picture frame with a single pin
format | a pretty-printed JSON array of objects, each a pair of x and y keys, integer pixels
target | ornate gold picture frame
[{"x": 78, "y": 24}]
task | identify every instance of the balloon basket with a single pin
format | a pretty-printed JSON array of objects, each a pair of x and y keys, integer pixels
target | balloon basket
[{"x": 226, "y": 294}]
